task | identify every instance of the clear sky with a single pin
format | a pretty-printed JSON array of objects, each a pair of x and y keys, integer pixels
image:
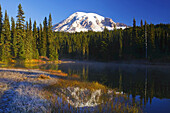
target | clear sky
[{"x": 153, "y": 11}]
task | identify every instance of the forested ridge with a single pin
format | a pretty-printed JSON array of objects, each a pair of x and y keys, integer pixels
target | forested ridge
[{"x": 24, "y": 40}]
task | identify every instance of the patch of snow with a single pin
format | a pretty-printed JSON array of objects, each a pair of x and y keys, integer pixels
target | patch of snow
[{"x": 81, "y": 21}]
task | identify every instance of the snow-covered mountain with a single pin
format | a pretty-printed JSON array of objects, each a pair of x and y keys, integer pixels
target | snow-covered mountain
[{"x": 81, "y": 21}]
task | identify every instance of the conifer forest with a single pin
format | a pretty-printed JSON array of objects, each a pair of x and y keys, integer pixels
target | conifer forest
[{"x": 26, "y": 40}]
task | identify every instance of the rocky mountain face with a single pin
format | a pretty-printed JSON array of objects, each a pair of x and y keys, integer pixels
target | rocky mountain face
[{"x": 81, "y": 21}]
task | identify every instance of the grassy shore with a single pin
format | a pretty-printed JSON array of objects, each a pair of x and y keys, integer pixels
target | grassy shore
[
  {"x": 28, "y": 90},
  {"x": 76, "y": 96}
]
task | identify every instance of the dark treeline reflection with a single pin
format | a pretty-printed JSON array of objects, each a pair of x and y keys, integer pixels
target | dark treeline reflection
[{"x": 145, "y": 81}]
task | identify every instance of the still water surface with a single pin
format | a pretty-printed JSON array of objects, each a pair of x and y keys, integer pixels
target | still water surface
[{"x": 148, "y": 85}]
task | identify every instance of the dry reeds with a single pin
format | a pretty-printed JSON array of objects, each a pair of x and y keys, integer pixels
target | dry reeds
[{"x": 42, "y": 76}]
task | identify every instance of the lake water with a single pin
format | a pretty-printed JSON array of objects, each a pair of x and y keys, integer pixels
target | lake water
[{"x": 148, "y": 85}]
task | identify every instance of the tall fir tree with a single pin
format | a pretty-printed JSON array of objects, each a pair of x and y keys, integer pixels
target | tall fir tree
[
  {"x": 134, "y": 32},
  {"x": 120, "y": 44},
  {"x": 151, "y": 41},
  {"x": 6, "y": 40},
  {"x": 0, "y": 21},
  {"x": 0, "y": 29},
  {"x": 134, "y": 38},
  {"x": 44, "y": 38},
  {"x": 28, "y": 42},
  {"x": 146, "y": 40},
  {"x": 35, "y": 41},
  {"x": 141, "y": 23},
  {"x": 51, "y": 53},
  {"x": 13, "y": 36},
  {"x": 39, "y": 41},
  {"x": 140, "y": 40},
  {"x": 19, "y": 42}
]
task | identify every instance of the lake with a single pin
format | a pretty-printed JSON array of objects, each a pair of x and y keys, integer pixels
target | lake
[{"x": 148, "y": 85}]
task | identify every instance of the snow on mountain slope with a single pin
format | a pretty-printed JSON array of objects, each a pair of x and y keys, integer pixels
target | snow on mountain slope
[{"x": 81, "y": 21}]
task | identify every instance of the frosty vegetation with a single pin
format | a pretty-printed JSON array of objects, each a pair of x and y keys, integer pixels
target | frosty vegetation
[
  {"x": 23, "y": 92},
  {"x": 37, "y": 91}
]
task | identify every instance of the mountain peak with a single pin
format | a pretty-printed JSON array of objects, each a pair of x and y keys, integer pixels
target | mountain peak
[{"x": 81, "y": 21}]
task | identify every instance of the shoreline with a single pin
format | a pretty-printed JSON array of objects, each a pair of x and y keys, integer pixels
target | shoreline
[
  {"x": 132, "y": 62},
  {"x": 32, "y": 90},
  {"x": 68, "y": 61},
  {"x": 22, "y": 91}
]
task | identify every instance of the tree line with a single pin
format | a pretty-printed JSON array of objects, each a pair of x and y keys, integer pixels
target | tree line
[
  {"x": 20, "y": 40},
  {"x": 118, "y": 44}
]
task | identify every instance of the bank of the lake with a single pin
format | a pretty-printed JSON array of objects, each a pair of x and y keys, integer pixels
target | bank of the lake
[{"x": 30, "y": 90}]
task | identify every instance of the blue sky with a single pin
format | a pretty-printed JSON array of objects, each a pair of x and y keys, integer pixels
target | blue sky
[{"x": 153, "y": 11}]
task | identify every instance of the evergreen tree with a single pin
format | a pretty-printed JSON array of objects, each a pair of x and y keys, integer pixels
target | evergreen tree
[
  {"x": 141, "y": 43},
  {"x": 35, "y": 41},
  {"x": 6, "y": 40},
  {"x": 141, "y": 23},
  {"x": 39, "y": 40},
  {"x": 51, "y": 53},
  {"x": 0, "y": 30},
  {"x": 166, "y": 42},
  {"x": 44, "y": 38},
  {"x": 28, "y": 42},
  {"x": 134, "y": 38},
  {"x": 151, "y": 41},
  {"x": 120, "y": 44},
  {"x": 0, "y": 21},
  {"x": 146, "y": 40},
  {"x": 13, "y": 36},
  {"x": 19, "y": 42}
]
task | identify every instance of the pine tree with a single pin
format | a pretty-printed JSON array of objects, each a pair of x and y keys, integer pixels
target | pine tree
[
  {"x": 13, "y": 36},
  {"x": 0, "y": 30},
  {"x": 120, "y": 44},
  {"x": 19, "y": 42},
  {"x": 134, "y": 32},
  {"x": 166, "y": 42},
  {"x": 39, "y": 40},
  {"x": 134, "y": 37},
  {"x": 6, "y": 40},
  {"x": 35, "y": 41},
  {"x": 151, "y": 41},
  {"x": 146, "y": 40},
  {"x": 51, "y": 53},
  {"x": 0, "y": 21},
  {"x": 141, "y": 23},
  {"x": 141, "y": 41},
  {"x": 28, "y": 42},
  {"x": 44, "y": 38}
]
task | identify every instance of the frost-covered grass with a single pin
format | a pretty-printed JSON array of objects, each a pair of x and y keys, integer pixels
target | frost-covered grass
[
  {"x": 23, "y": 92},
  {"x": 35, "y": 91}
]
